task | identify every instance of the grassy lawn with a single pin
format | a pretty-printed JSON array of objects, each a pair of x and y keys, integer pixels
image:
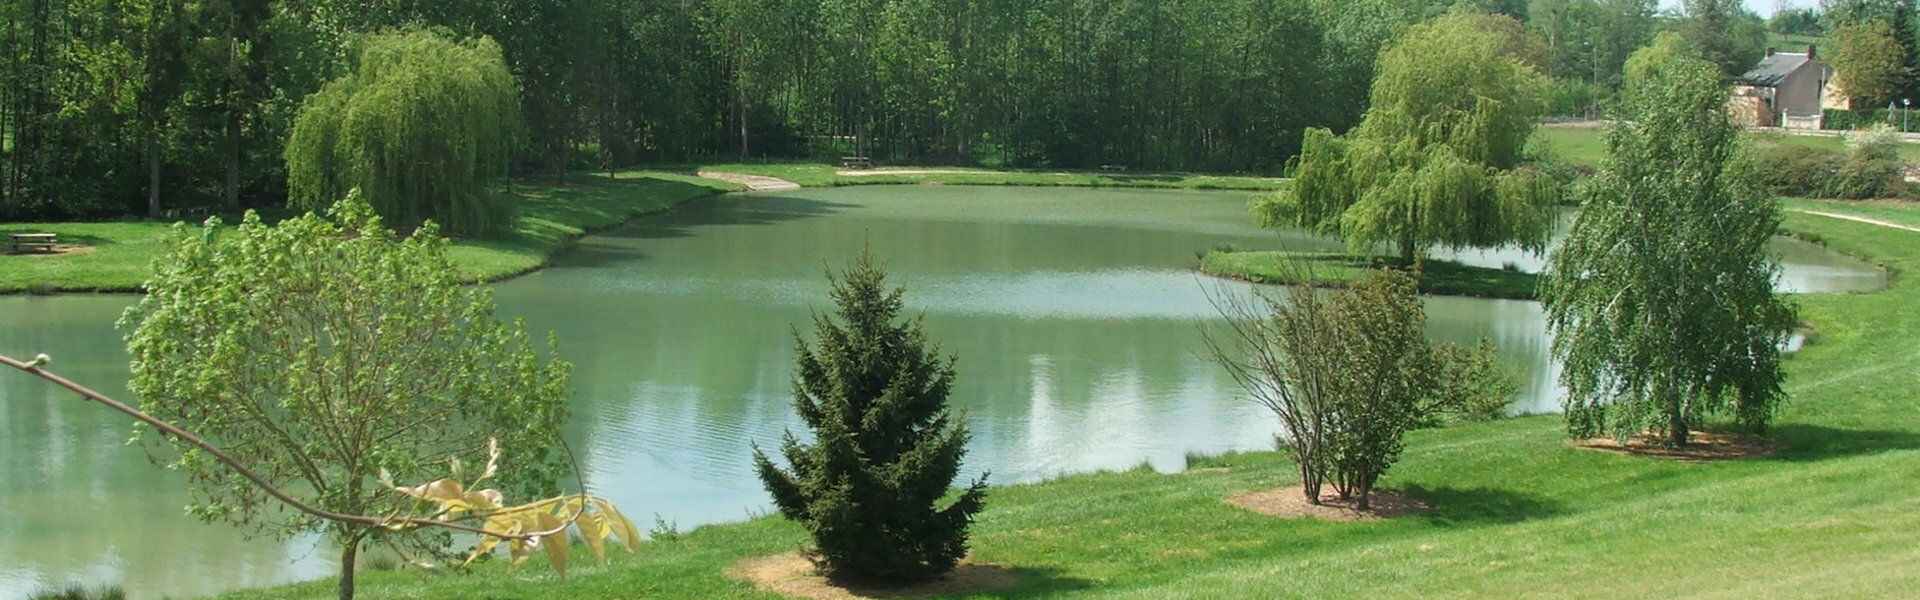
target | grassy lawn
[
  {"x": 1440, "y": 277},
  {"x": 1584, "y": 145},
  {"x": 1892, "y": 211},
  {"x": 824, "y": 175},
  {"x": 1518, "y": 513},
  {"x": 119, "y": 254}
]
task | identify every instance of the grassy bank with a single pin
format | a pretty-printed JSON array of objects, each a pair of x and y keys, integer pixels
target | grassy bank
[
  {"x": 117, "y": 256},
  {"x": 1585, "y": 145},
  {"x": 823, "y": 175},
  {"x": 1446, "y": 278},
  {"x": 1517, "y": 512}
]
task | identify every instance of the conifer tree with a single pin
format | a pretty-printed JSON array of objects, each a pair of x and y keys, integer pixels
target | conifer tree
[{"x": 886, "y": 448}]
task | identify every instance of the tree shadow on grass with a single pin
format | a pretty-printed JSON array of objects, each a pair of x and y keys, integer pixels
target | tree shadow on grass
[
  {"x": 1034, "y": 582},
  {"x": 65, "y": 239},
  {"x": 1481, "y": 506},
  {"x": 1818, "y": 442}
]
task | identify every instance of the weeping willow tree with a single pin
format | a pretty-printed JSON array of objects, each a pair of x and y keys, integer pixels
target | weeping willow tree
[
  {"x": 1661, "y": 297},
  {"x": 1437, "y": 159},
  {"x": 421, "y": 127}
]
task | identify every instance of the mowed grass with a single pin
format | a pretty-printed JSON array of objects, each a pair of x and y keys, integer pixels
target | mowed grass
[
  {"x": 118, "y": 256},
  {"x": 826, "y": 175},
  {"x": 1586, "y": 146},
  {"x": 1446, "y": 278},
  {"x": 1517, "y": 512}
]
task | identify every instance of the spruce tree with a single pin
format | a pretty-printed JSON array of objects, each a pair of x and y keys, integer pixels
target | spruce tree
[{"x": 885, "y": 450}]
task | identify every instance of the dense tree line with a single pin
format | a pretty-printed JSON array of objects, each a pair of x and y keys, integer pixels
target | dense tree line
[
  {"x": 116, "y": 106},
  {"x": 146, "y": 106}
]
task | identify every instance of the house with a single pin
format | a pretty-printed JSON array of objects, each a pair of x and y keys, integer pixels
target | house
[{"x": 1786, "y": 89}]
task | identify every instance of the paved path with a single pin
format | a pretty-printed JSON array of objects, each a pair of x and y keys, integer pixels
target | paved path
[
  {"x": 754, "y": 183},
  {"x": 1868, "y": 220}
]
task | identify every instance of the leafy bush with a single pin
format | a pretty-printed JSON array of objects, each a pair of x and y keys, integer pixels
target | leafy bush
[
  {"x": 1793, "y": 170},
  {"x": 1475, "y": 386},
  {"x": 1840, "y": 119},
  {"x": 1870, "y": 168},
  {"x": 1349, "y": 372},
  {"x": 886, "y": 449}
]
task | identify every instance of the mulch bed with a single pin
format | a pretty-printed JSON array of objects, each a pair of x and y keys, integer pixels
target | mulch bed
[
  {"x": 1291, "y": 503},
  {"x": 793, "y": 576},
  {"x": 1701, "y": 446}
]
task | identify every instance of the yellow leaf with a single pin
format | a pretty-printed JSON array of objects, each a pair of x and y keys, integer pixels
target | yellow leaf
[
  {"x": 493, "y": 459},
  {"x": 502, "y": 525},
  {"x": 486, "y": 499},
  {"x": 555, "y": 543},
  {"x": 445, "y": 489},
  {"x": 595, "y": 530},
  {"x": 438, "y": 490},
  {"x": 621, "y": 526}
]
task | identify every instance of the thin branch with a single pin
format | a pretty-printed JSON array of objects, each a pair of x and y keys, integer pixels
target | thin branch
[{"x": 261, "y": 482}]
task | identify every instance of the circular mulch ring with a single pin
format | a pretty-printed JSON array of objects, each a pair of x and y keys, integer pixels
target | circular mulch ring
[
  {"x": 1291, "y": 503},
  {"x": 792, "y": 575},
  {"x": 1701, "y": 447}
]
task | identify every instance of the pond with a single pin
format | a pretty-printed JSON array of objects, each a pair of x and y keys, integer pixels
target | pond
[{"x": 1073, "y": 313}]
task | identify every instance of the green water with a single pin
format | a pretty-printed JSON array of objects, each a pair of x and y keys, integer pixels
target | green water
[{"x": 1073, "y": 313}]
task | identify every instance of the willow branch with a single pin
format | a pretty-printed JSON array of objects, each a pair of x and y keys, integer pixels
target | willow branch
[{"x": 261, "y": 482}]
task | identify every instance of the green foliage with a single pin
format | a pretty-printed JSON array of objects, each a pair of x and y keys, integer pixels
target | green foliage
[
  {"x": 885, "y": 447},
  {"x": 1474, "y": 386},
  {"x": 1437, "y": 159},
  {"x": 1725, "y": 33},
  {"x": 1844, "y": 120},
  {"x": 1661, "y": 296},
  {"x": 1349, "y": 371},
  {"x": 324, "y": 353},
  {"x": 421, "y": 127},
  {"x": 1801, "y": 171},
  {"x": 1869, "y": 63},
  {"x": 1796, "y": 21},
  {"x": 1870, "y": 168},
  {"x": 1383, "y": 372}
]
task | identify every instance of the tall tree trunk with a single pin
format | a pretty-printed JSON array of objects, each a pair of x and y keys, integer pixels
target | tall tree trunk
[
  {"x": 1678, "y": 430},
  {"x": 348, "y": 556},
  {"x": 232, "y": 201},
  {"x": 153, "y": 178}
]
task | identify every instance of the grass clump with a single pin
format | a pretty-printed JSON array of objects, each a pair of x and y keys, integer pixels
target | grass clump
[
  {"x": 75, "y": 591},
  {"x": 1437, "y": 277}
]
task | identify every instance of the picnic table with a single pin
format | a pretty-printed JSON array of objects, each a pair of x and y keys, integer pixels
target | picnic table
[
  {"x": 1113, "y": 167},
  {"x": 856, "y": 162},
  {"x": 34, "y": 242}
]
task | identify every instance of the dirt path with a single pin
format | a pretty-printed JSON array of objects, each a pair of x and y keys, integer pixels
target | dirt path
[
  {"x": 1867, "y": 220},
  {"x": 754, "y": 183}
]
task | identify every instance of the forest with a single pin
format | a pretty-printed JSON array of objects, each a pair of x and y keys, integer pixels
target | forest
[{"x": 117, "y": 107}]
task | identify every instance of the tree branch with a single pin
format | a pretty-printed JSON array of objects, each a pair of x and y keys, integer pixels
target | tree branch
[{"x": 261, "y": 482}]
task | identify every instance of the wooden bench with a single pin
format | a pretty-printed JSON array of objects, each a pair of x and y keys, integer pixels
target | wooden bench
[
  {"x": 1115, "y": 168},
  {"x": 34, "y": 242},
  {"x": 856, "y": 162}
]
